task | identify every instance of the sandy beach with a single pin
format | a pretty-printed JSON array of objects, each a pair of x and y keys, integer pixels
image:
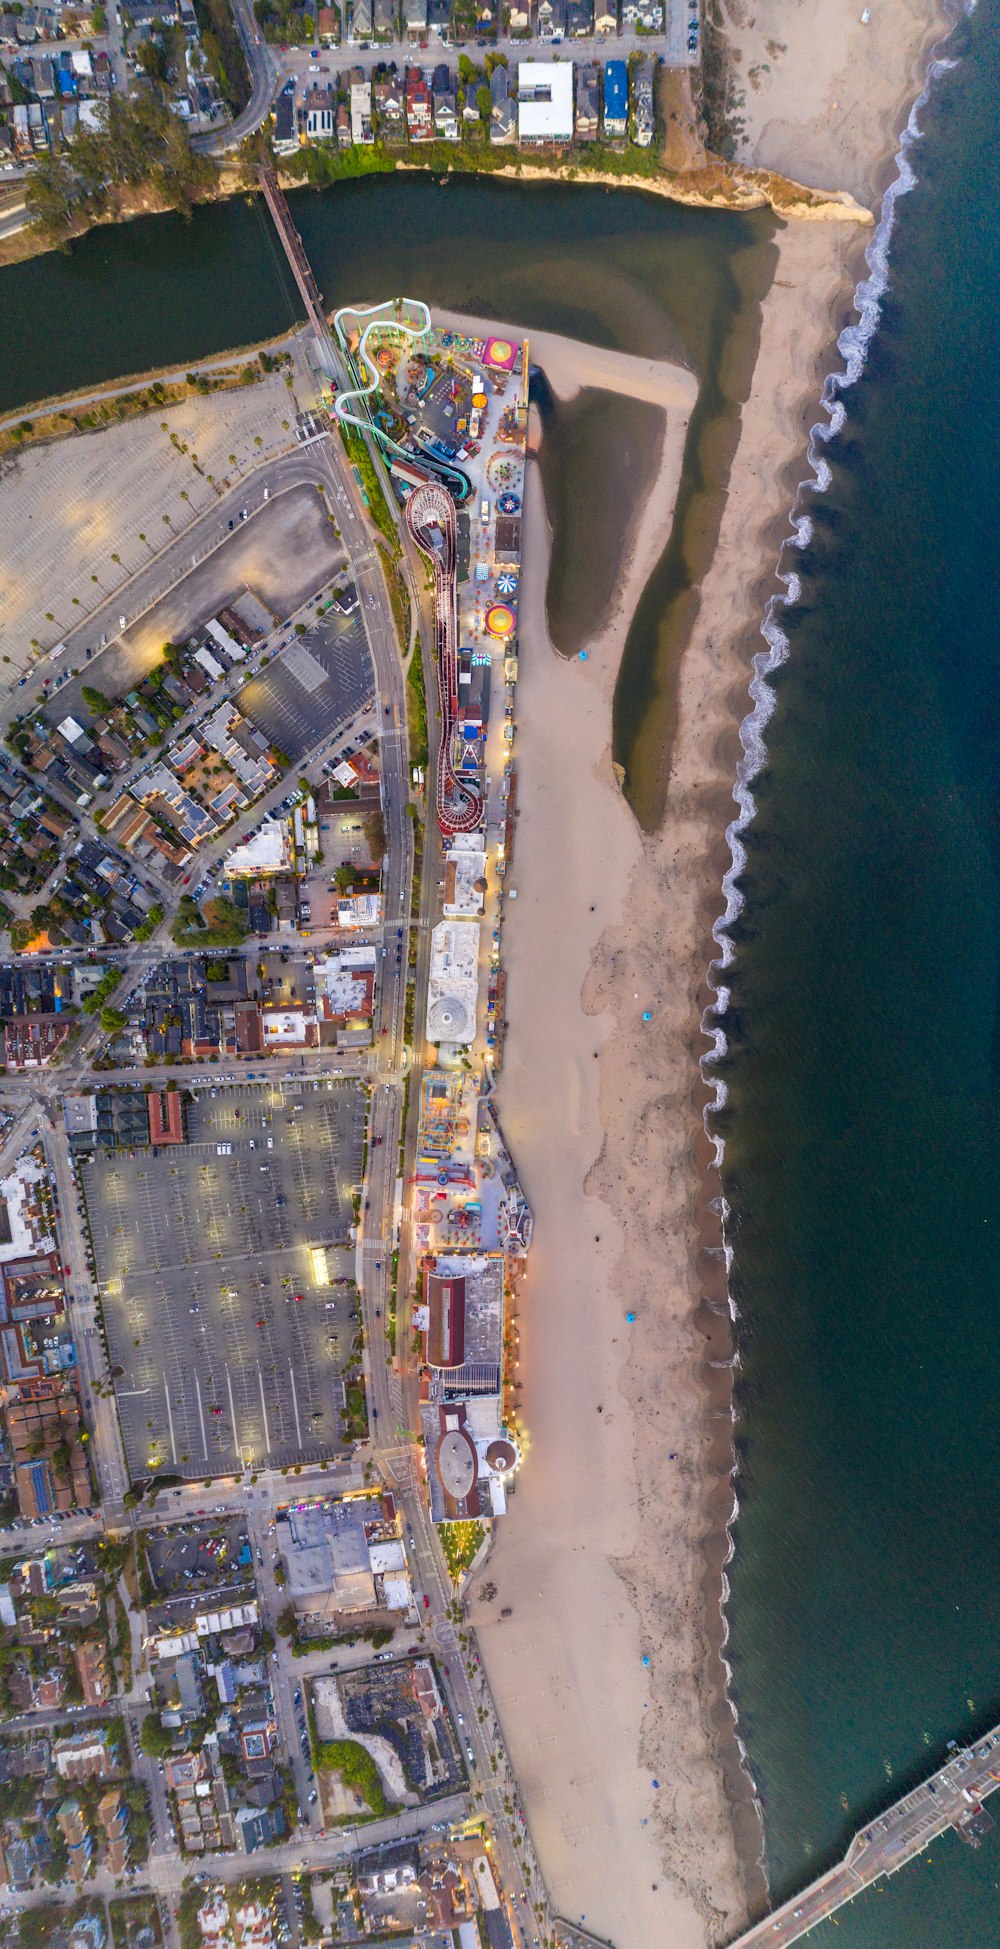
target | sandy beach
[{"x": 608, "y": 1674}]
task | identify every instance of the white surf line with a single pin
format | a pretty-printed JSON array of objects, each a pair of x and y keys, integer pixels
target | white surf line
[
  {"x": 295, "y": 1404},
  {"x": 232, "y": 1410},
  {"x": 263, "y": 1409},
  {"x": 201, "y": 1417},
  {"x": 170, "y": 1420}
]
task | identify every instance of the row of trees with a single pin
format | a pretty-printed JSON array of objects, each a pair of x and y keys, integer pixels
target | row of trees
[{"x": 141, "y": 143}]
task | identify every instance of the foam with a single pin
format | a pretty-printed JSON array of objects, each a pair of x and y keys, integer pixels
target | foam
[{"x": 853, "y": 346}]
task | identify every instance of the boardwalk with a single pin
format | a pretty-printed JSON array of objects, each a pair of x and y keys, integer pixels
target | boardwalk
[{"x": 948, "y": 1799}]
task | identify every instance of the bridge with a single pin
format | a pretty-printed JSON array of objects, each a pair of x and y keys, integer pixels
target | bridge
[
  {"x": 430, "y": 518},
  {"x": 295, "y": 252},
  {"x": 952, "y": 1797}
]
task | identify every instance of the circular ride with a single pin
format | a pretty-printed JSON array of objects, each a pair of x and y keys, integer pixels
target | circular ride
[
  {"x": 501, "y": 620},
  {"x": 508, "y": 503}
]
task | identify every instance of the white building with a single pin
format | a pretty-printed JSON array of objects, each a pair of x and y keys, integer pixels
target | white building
[
  {"x": 545, "y": 101},
  {"x": 268, "y": 850},
  {"x": 453, "y": 983},
  {"x": 464, "y": 876}
]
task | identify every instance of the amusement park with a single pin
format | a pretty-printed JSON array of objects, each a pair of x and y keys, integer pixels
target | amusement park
[{"x": 449, "y": 413}]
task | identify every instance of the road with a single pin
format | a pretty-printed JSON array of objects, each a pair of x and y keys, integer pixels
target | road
[{"x": 264, "y": 76}]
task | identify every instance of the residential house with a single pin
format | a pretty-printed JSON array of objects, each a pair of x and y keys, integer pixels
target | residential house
[
  {"x": 361, "y": 108},
  {"x": 415, "y": 17},
  {"x": 520, "y": 17},
  {"x": 503, "y": 112},
  {"x": 343, "y": 127},
  {"x": 643, "y": 116},
  {"x": 419, "y": 110},
  {"x": 445, "y": 105},
  {"x": 320, "y": 115},
  {"x": 113, "y": 1816},
  {"x": 285, "y": 139},
  {"x": 605, "y": 17},
  {"x": 385, "y": 20},
  {"x": 551, "y": 20},
  {"x": 588, "y": 101},
  {"x": 76, "y": 1835},
  {"x": 390, "y": 108},
  {"x": 439, "y": 19},
  {"x": 91, "y": 1661},
  {"x": 615, "y": 99},
  {"x": 328, "y": 25},
  {"x": 579, "y": 19},
  {"x": 361, "y": 20}
]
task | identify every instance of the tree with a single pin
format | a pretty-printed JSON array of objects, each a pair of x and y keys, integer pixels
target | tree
[
  {"x": 95, "y": 700},
  {"x": 113, "y": 1019},
  {"x": 155, "y": 1738},
  {"x": 284, "y": 1623},
  {"x": 484, "y": 103},
  {"x": 50, "y": 194}
]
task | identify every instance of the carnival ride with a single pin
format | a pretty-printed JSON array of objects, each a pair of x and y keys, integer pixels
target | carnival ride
[
  {"x": 430, "y": 518},
  {"x": 356, "y": 406}
]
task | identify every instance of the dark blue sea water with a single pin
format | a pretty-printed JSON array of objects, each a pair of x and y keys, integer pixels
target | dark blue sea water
[{"x": 862, "y": 1131}]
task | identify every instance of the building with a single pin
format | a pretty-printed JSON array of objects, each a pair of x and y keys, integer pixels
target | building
[
  {"x": 113, "y": 1816},
  {"x": 76, "y": 1834},
  {"x": 469, "y": 1458},
  {"x": 615, "y": 99},
  {"x": 85, "y": 1755},
  {"x": 166, "y": 1116},
  {"x": 419, "y": 107},
  {"x": 268, "y": 850},
  {"x": 464, "y": 876},
  {"x": 285, "y": 138},
  {"x": 503, "y": 114},
  {"x": 91, "y": 1661},
  {"x": 453, "y": 982},
  {"x": 643, "y": 117},
  {"x": 361, "y": 109},
  {"x": 588, "y": 101},
  {"x": 545, "y": 101},
  {"x": 343, "y": 1557},
  {"x": 463, "y": 1328}
]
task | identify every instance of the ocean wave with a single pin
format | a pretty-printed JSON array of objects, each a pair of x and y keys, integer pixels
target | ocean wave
[{"x": 852, "y": 344}]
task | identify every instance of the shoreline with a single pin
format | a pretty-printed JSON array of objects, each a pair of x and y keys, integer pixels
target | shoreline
[
  {"x": 718, "y": 185},
  {"x": 648, "y": 956},
  {"x": 864, "y": 280}
]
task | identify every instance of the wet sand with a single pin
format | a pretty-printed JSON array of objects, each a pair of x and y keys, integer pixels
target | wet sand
[{"x": 617, "y": 1535}]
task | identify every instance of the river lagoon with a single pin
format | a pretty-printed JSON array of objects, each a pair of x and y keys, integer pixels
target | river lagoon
[
  {"x": 861, "y": 1132},
  {"x": 863, "y": 1162},
  {"x": 616, "y": 269}
]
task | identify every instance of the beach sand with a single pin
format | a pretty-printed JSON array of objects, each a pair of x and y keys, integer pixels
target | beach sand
[
  {"x": 617, "y": 1531},
  {"x": 642, "y": 1817},
  {"x": 821, "y": 90}
]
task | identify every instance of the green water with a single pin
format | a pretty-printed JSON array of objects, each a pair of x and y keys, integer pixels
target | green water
[{"x": 863, "y": 1139}]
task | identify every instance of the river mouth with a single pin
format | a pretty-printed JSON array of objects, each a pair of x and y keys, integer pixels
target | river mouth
[{"x": 613, "y": 268}]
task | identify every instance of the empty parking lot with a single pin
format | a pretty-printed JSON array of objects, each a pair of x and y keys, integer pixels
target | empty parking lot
[
  {"x": 225, "y": 1274},
  {"x": 303, "y": 697}
]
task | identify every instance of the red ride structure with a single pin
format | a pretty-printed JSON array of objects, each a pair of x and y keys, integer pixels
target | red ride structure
[{"x": 430, "y": 518}]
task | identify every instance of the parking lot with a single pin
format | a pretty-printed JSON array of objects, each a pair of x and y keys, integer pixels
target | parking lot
[
  {"x": 197, "y": 1557},
  {"x": 226, "y": 1276},
  {"x": 317, "y": 684}
]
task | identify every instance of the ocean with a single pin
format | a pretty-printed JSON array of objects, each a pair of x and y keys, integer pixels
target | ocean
[{"x": 862, "y": 1161}]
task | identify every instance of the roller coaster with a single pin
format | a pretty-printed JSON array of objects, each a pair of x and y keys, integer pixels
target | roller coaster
[
  {"x": 430, "y": 518},
  {"x": 410, "y": 319}
]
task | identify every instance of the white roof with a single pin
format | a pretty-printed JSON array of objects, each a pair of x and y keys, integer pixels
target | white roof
[
  {"x": 396, "y": 1593},
  {"x": 209, "y": 665},
  {"x": 284, "y": 1025},
  {"x": 545, "y": 100},
  {"x": 265, "y": 851},
  {"x": 71, "y": 730},
  {"x": 226, "y": 642}
]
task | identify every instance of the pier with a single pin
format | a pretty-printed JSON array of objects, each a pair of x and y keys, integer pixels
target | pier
[{"x": 952, "y": 1797}]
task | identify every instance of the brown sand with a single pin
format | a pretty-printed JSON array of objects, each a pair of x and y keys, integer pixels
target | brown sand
[
  {"x": 617, "y": 1534},
  {"x": 604, "y": 1555}
]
